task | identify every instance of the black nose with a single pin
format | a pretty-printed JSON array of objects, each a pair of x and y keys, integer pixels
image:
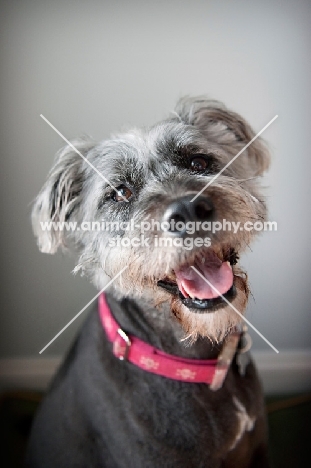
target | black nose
[{"x": 183, "y": 210}]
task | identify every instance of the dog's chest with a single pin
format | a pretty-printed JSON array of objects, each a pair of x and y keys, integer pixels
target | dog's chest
[{"x": 189, "y": 428}]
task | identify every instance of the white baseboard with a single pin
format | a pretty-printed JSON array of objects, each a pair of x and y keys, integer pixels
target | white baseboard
[
  {"x": 283, "y": 373},
  {"x": 286, "y": 372}
]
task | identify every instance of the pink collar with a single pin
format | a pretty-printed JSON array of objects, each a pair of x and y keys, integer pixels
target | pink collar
[{"x": 150, "y": 359}]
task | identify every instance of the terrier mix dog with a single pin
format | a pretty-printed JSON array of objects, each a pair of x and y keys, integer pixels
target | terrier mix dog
[{"x": 159, "y": 375}]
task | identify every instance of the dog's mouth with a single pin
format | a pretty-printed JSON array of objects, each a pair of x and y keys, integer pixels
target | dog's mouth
[{"x": 206, "y": 282}]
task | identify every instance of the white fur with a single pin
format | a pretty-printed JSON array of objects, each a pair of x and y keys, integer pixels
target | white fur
[{"x": 245, "y": 422}]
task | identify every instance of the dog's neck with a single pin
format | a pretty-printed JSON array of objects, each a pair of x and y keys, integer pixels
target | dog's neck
[{"x": 159, "y": 328}]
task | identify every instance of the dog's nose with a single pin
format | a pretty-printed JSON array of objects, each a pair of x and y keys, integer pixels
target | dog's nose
[{"x": 183, "y": 210}]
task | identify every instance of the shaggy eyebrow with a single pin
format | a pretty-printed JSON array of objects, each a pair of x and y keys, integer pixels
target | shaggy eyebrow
[
  {"x": 180, "y": 153},
  {"x": 131, "y": 174}
]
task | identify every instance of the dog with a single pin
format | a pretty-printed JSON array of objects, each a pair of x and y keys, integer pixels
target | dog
[{"x": 160, "y": 374}]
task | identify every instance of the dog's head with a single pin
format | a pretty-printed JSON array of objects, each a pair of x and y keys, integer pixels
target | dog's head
[{"x": 166, "y": 204}]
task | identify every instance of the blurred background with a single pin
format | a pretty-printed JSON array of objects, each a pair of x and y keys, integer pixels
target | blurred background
[{"x": 96, "y": 67}]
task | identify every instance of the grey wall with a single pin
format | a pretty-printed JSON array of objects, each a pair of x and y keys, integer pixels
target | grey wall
[{"x": 91, "y": 67}]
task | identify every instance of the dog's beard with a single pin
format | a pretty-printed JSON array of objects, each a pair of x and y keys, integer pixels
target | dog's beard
[
  {"x": 208, "y": 294},
  {"x": 217, "y": 324},
  {"x": 208, "y": 315}
]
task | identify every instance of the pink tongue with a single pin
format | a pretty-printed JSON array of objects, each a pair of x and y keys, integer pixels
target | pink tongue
[{"x": 217, "y": 273}]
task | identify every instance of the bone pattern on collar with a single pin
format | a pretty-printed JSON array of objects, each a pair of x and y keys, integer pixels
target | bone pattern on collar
[{"x": 130, "y": 348}]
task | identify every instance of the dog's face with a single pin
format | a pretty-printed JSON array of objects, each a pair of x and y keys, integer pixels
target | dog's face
[{"x": 161, "y": 225}]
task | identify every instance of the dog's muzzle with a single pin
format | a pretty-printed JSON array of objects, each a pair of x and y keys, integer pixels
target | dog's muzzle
[{"x": 206, "y": 282}]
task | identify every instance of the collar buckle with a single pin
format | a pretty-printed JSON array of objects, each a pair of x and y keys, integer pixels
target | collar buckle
[{"x": 121, "y": 345}]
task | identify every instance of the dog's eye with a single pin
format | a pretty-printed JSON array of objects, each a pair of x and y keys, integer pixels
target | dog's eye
[
  {"x": 199, "y": 163},
  {"x": 123, "y": 192}
]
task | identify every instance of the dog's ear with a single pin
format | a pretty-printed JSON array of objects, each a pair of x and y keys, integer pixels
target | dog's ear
[
  {"x": 60, "y": 195},
  {"x": 225, "y": 128}
]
